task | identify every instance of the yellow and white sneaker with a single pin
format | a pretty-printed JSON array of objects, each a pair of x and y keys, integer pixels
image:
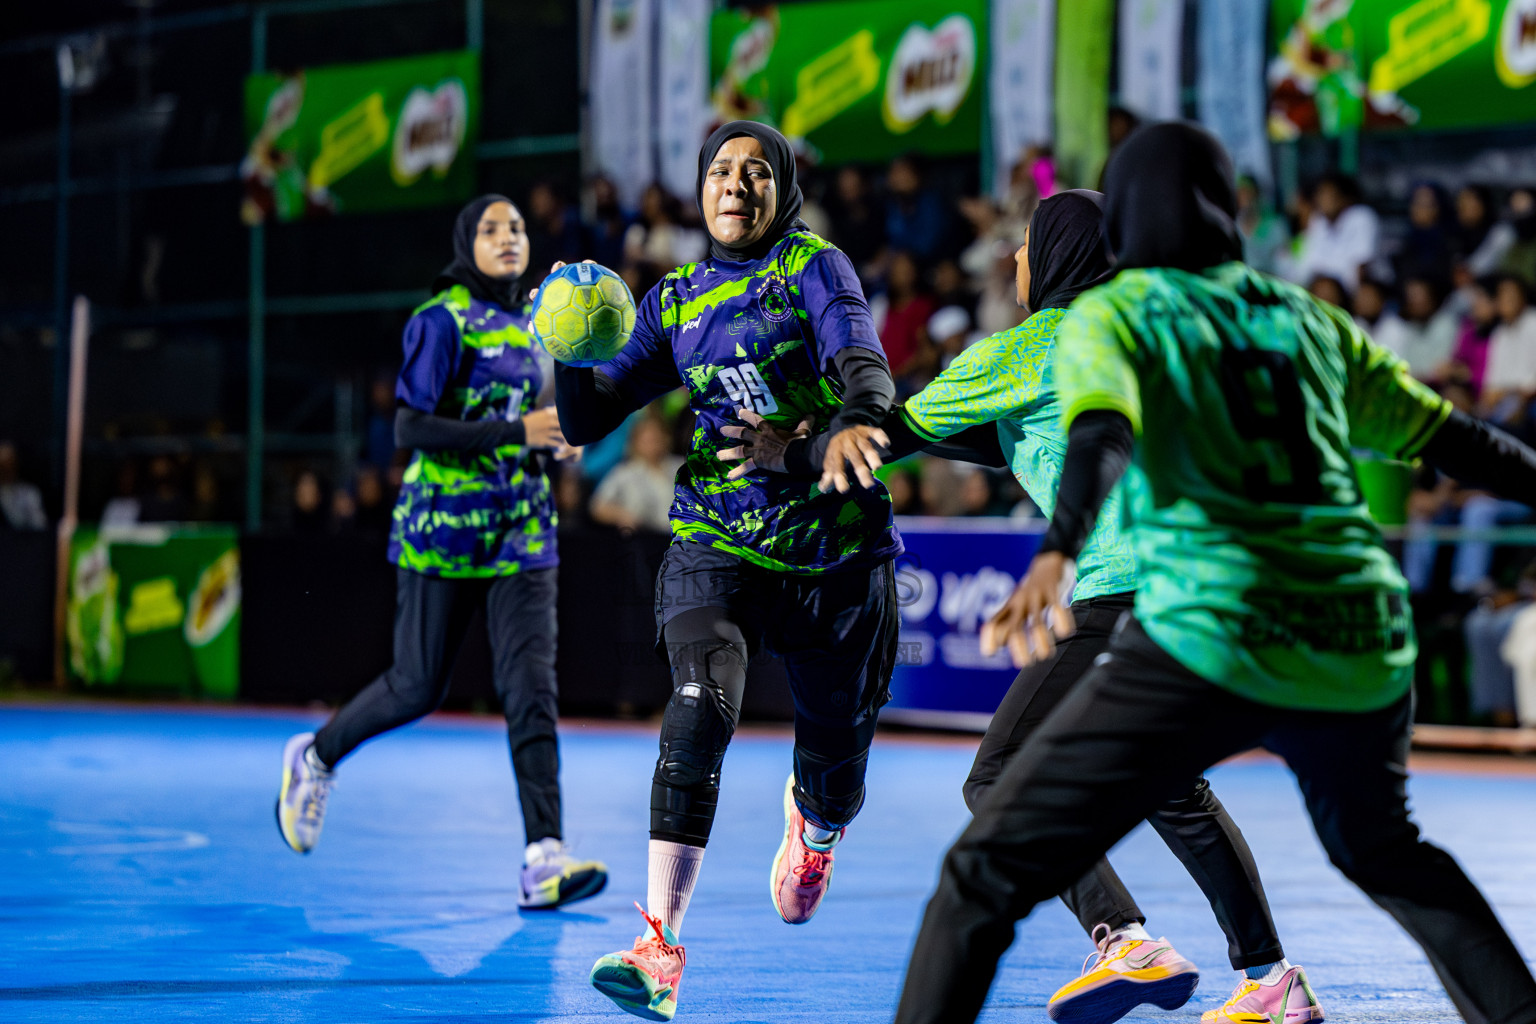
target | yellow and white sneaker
[
  {"x": 1125, "y": 974},
  {"x": 551, "y": 877},
  {"x": 305, "y": 789}
]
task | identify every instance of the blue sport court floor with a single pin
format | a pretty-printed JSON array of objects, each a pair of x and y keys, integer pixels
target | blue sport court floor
[{"x": 145, "y": 881}]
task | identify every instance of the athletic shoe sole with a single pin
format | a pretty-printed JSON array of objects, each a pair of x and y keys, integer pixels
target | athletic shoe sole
[
  {"x": 579, "y": 885},
  {"x": 282, "y": 793},
  {"x": 625, "y": 985},
  {"x": 1114, "y": 999}
]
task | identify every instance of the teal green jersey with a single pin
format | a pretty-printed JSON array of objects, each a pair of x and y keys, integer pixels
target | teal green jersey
[
  {"x": 1009, "y": 379},
  {"x": 1261, "y": 569}
]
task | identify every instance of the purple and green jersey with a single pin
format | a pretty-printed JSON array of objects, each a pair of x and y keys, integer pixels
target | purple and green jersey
[
  {"x": 472, "y": 514},
  {"x": 760, "y": 335}
]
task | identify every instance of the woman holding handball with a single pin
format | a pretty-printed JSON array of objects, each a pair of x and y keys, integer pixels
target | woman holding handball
[
  {"x": 772, "y": 324},
  {"x": 474, "y": 527}
]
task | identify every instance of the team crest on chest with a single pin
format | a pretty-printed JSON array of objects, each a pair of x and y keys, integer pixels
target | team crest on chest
[{"x": 774, "y": 301}]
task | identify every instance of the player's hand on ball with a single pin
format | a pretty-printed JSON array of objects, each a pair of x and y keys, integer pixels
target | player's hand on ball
[
  {"x": 543, "y": 429},
  {"x": 857, "y": 446},
  {"x": 1033, "y": 618},
  {"x": 568, "y": 453},
  {"x": 533, "y": 296},
  {"x": 762, "y": 444}
]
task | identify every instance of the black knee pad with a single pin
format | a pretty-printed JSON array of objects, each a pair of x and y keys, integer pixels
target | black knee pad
[{"x": 702, "y": 714}]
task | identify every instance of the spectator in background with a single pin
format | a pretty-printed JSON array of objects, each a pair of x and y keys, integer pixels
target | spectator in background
[
  {"x": 949, "y": 329},
  {"x": 379, "y": 433},
  {"x": 858, "y": 219},
  {"x": 1490, "y": 678},
  {"x": 163, "y": 501},
  {"x": 952, "y": 288},
  {"x": 1428, "y": 251},
  {"x": 608, "y": 225},
  {"x": 1475, "y": 221},
  {"x": 901, "y": 317},
  {"x": 1266, "y": 239},
  {"x": 1469, "y": 361},
  {"x": 367, "y": 508},
  {"x": 1370, "y": 304},
  {"x": 1119, "y": 124},
  {"x": 1510, "y": 379},
  {"x": 21, "y": 503},
  {"x": 1420, "y": 331},
  {"x": 915, "y": 218},
  {"x": 1341, "y": 234},
  {"x": 637, "y": 493},
  {"x": 311, "y": 513},
  {"x": 1519, "y": 258},
  {"x": 902, "y": 487},
  {"x": 554, "y": 231},
  {"x": 122, "y": 509},
  {"x": 658, "y": 242},
  {"x": 1329, "y": 289}
]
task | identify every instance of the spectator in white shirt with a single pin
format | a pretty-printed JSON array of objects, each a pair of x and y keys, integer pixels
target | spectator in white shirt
[
  {"x": 1420, "y": 331},
  {"x": 637, "y": 493},
  {"x": 1341, "y": 234},
  {"x": 1510, "y": 380},
  {"x": 21, "y": 503}
]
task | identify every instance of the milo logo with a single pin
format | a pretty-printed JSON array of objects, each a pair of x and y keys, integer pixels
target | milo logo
[
  {"x": 931, "y": 71},
  {"x": 430, "y": 131},
  {"x": 1515, "y": 53}
]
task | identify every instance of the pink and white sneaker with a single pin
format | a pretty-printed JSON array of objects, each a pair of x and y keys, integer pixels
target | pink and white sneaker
[
  {"x": 1289, "y": 1000},
  {"x": 801, "y": 873}
]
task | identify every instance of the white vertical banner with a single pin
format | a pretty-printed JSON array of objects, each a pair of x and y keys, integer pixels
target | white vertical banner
[
  {"x": 1151, "y": 51},
  {"x": 1231, "y": 91},
  {"x": 623, "y": 139},
  {"x": 683, "y": 113},
  {"x": 1023, "y": 82}
]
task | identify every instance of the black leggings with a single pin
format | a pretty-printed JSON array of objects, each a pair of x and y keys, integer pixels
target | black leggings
[
  {"x": 432, "y": 614},
  {"x": 1129, "y": 737},
  {"x": 1196, "y": 827},
  {"x": 837, "y": 636}
]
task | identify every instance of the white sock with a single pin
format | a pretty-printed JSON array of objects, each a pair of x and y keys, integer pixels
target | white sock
[
  {"x": 1267, "y": 974},
  {"x": 673, "y": 872},
  {"x": 1131, "y": 931},
  {"x": 313, "y": 760},
  {"x": 538, "y": 852},
  {"x": 821, "y": 838}
]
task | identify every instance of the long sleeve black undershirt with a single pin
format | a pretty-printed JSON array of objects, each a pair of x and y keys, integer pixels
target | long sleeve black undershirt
[
  {"x": 1484, "y": 457},
  {"x": 417, "y": 429},
  {"x": 1099, "y": 446}
]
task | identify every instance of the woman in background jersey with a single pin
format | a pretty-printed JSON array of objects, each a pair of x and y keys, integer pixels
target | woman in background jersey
[
  {"x": 474, "y": 528},
  {"x": 773, "y": 321}
]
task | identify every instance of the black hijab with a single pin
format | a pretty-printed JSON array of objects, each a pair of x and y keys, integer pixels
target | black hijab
[
  {"x": 1067, "y": 255},
  {"x": 781, "y": 158},
  {"x": 1170, "y": 200},
  {"x": 505, "y": 292}
]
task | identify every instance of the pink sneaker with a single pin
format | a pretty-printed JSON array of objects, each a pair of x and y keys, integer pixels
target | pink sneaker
[
  {"x": 1123, "y": 975},
  {"x": 801, "y": 874},
  {"x": 1288, "y": 1001}
]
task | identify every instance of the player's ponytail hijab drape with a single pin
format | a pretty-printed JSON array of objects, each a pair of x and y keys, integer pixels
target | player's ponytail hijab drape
[
  {"x": 1170, "y": 200},
  {"x": 506, "y": 292},
  {"x": 1067, "y": 254},
  {"x": 781, "y": 158}
]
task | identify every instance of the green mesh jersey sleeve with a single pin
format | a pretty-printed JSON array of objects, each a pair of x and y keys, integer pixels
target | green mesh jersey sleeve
[
  {"x": 1093, "y": 362},
  {"x": 983, "y": 384},
  {"x": 1389, "y": 412}
]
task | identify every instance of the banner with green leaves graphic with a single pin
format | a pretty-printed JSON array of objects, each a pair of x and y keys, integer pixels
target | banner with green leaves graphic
[
  {"x": 856, "y": 79},
  {"x": 1343, "y": 65},
  {"x": 358, "y": 137}
]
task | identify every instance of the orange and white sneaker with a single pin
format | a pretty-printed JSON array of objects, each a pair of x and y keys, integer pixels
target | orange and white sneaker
[
  {"x": 644, "y": 980},
  {"x": 1290, "y": 1000},
  {"x": 801, "y": 873},
  {"x": 1126, "y": 973}
]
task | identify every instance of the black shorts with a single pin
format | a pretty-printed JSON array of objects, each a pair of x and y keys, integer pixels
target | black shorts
[{"x": 836, "y": 631}]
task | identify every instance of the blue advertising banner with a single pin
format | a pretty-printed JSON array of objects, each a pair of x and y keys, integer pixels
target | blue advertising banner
[{"x": 955, "y": 574}]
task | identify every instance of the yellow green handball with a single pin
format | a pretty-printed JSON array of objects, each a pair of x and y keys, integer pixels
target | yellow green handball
[{"x": 584, "y": 315}]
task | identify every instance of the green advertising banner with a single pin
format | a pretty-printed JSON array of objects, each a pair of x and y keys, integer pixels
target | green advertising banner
[
  {"x": 1344, "y": 65},
  {"x": 156, "y": 608},
  {"x": 358, "y": 137},
  {"x": 856, "y": 79}
]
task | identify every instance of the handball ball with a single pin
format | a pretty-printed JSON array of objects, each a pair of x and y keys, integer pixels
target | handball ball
[{"x": 584, "y": 314}]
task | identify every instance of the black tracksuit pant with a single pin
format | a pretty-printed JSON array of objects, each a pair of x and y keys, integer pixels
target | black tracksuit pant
[
  {"x": 432, "y": 614},
  {"x": 1196, "y": 827},
  {"x": 1127, "y": 739}
]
